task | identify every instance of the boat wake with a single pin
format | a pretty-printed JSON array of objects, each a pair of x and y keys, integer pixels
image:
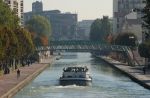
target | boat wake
[{"x": 70, "y": 86}]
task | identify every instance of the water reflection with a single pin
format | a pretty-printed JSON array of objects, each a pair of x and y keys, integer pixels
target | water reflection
[{"x": 104, "y": 68}]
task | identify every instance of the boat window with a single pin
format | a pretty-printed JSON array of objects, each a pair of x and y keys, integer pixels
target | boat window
[
  {"x": 69, "y": 76},
  {"x": 76, "y": 69}
]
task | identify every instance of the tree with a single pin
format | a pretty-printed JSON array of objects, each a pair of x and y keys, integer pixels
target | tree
[
  {"x": 8, "y": 41},
  {"x": 15, "y": 42},
  {"x": 146, "y": 19},
  {"x": 126, "y": 39},
  {"x": 8, "y": 22},
  {"x": 100, "y": 29},
  {"x": 40, "y": 28},
  {"x": 110, "y": 38},
  {"x": 7, "y": 16},
  {"x": 25, "y": 46},
  {"x": 144, "y": 48},
  {"x": 105, "y": 26},
  {"x": 95, "y": 33}
]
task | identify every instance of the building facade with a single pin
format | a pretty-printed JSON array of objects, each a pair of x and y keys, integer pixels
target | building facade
[
  {"x": 133, "y": 24},
  {"x": 83, "y": 29},
  {"x": 120, "y": 9},
  {"x": 37, "y": 7},
  {"x": 18, "y": 7},
  {"x": 64, "y": 25}
]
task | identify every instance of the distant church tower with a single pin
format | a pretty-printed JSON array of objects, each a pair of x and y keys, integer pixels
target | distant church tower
[{"x": 37, "y": 6}]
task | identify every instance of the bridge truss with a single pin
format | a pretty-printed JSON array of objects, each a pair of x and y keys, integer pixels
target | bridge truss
[
  {"x": 81, "y": 46},
  {"x": 87, "y": 46}
]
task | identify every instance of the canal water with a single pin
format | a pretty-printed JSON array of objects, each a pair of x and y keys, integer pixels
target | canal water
[{"x": 107, "y": 82}]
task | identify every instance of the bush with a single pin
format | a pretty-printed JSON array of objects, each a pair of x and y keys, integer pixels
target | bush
[{"x": 144, "y": 49}]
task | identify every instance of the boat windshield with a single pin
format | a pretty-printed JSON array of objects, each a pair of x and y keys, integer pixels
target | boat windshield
[{"x": 76, "y": 69}]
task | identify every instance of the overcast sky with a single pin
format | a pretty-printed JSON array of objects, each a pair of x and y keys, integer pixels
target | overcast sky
[{"x": 86, "y": 9}]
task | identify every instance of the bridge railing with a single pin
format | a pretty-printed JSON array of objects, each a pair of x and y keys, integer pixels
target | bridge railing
[{"x": 98, "y": 47}]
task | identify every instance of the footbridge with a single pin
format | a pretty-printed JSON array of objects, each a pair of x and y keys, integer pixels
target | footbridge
[
  {"x": 86, "y": 46},
  {"x": 81, "y": 46}
]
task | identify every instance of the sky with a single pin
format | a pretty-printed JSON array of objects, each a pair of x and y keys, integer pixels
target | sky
[{"x": 86, "y": 9}]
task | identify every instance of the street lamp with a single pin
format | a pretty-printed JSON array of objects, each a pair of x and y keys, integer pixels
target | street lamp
[
  {"x": 132, "y": 41},
  {"x": 131, "y": 37}
]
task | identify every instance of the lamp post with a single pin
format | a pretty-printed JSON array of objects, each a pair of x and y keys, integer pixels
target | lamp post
[{"x": 132, "y": 40}]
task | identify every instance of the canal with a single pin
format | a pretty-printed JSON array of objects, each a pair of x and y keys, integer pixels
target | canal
[{"x": 107, "y": 82}]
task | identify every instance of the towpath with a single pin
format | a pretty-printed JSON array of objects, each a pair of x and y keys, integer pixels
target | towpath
[
  {"x": 9, "y": 84},
  {"x": 134, "y": 72}
]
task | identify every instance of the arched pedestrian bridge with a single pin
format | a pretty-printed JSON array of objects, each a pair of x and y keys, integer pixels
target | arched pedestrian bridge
[{"x": 81, "y": 46}]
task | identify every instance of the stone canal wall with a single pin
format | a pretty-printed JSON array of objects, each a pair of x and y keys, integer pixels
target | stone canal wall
[
  {"x": 10, "y": 85},
  {"x": 135, "y": 73}
]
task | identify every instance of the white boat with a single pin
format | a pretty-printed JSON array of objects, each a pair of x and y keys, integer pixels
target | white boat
[
  {"x": 57, "y": 58},
  {"x": 75, "y": 75}
]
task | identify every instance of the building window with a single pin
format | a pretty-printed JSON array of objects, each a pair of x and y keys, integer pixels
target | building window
[
  {"x": 9, "y": 2},
  {"x": 21, "y": 4},
  {"x": 117, "y": 26},
  {"x": 21, "y": 16},
  {"x": 21, "y": 10}
]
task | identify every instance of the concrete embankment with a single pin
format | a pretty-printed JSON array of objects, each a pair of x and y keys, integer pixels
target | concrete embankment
[
  {"x": 10, "y": 85},
  {"x": 135, "y": 73}
]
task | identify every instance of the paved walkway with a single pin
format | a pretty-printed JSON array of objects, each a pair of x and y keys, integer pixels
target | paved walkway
[
  {"x": 10, "y": 82},
  {"x": 136, "y": 73}
]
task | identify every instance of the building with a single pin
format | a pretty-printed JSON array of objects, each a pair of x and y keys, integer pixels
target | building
[
  {"x": 120, "y": 9},
  {"x": 64, "y": 25},
  {"x": 133, "y": 24},
  {"x": 83, "y": 29},
  {"x": 18, "y": 7},
  {"x": 37, "y": 7}
]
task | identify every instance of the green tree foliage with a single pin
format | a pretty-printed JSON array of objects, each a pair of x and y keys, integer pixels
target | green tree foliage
[
  {"x": 25, "y": 46},
  {"x": 110, "y": 39},
  {"x": 9, "y": 41},
  {"x": 105, "y": 26},
  {"x": 100, "y": 29},
  {"x": 7, "y": 16},
  {"x": 95, "y": 33},
  {"x": 146, "y": 19},
  {"x": 127, "y": 39},
  {"x": 40, "y": 28},
  {"x": 15, "y": 42},
  {"x": 144, "y": 48}
]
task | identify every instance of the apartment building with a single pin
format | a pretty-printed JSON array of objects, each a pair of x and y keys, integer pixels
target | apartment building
[
  {"x": 121, "y": 8},
  {"x": 64, "y": 25},
  {"x": 83, "y": 29},
  {"x": 18, "y": 7}
]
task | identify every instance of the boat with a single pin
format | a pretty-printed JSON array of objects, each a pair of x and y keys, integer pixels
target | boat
[
  {"x": 57, "y": 58},
  {"x": 75, "y": 76}
]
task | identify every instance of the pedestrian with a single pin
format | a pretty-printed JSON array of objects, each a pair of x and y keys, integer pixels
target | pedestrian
[
  {"x": 18, "y": 73},
  {"x": 28, "y": 62},
  {"x": 144, "y": 70}
]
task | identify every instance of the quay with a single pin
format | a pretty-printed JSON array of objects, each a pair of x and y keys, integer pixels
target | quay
[
  {"x": 10, "y": 85},
  {"x": 134, "y": 72}
]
